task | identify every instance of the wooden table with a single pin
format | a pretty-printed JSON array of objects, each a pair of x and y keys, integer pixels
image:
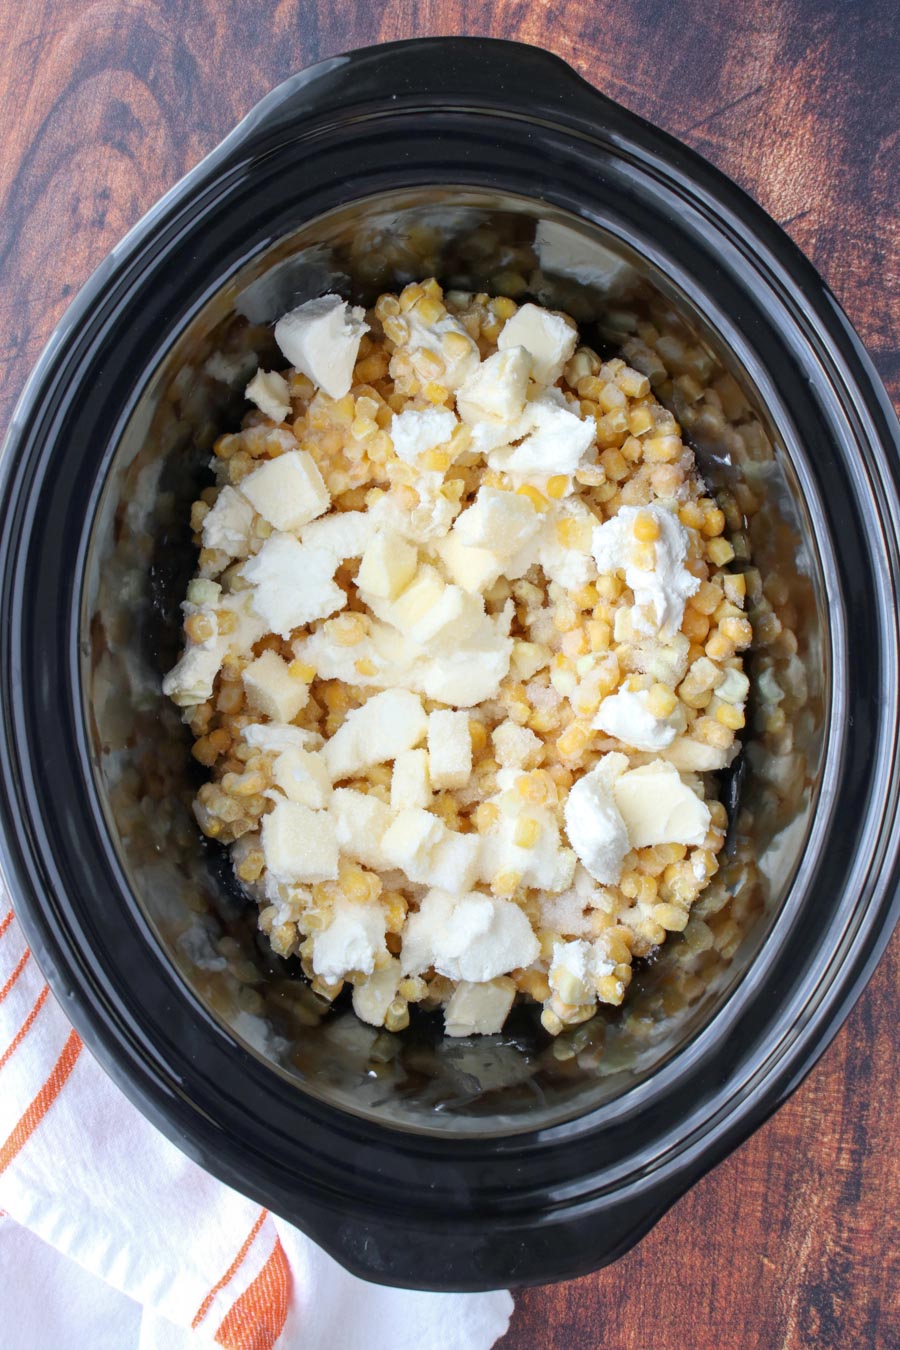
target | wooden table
[{"x": 793, "y": 1242}]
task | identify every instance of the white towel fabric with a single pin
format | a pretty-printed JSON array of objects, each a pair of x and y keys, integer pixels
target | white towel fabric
[{"x": 113, "y": 1239}]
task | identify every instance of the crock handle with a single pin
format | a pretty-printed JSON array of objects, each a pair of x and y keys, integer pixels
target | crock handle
[{"x": 436, "y": 73}]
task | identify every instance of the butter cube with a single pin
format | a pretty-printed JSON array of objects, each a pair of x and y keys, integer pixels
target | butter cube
[
  {"x": 299, "y": 844},
  {"x": 321, "y": 338},
  {"x": 546, "y": 337},
  {"x": 271, "y": 690},
  {"x": 450, "y": 620},
  {"x": 475, "y": 569},
  {"x": 287, "y": 491},
  {"x": 658, "y": 808},
  {"x": 388, "y": 565},
  {"x": 303, "y": 777},
  {"x": 373, "y": 996},
  {"x": 389, "y": 723},
  {"x": 449, "y": 749},
  {"x": 496, "y": 390},
  {"x": 479, "y": 1009},
  {"x": 410, "y": 781},
  {"x": 410, "y": 839},
  {"x": 502, "y": 522},
  {"x": 270, "y": 392},
  {"x": 418, "y": 598}
]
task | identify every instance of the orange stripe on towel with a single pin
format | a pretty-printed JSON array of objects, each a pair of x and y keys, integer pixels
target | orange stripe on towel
[
  {"x": 257, "y": 1318},
  {"x": 25, "y": 1027},
  {"x": 236, "y": 1263},
  {"x": 4, "y": 923},
  {"x": 42, "y": 1102},
  {"x": 23, "y": 960}
]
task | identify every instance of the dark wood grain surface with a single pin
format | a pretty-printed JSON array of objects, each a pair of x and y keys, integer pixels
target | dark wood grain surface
[{"x": 792, "y": 1242}]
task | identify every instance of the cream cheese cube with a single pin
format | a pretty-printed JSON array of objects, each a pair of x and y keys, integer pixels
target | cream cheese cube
[
  {"x": 495, "y": 392},
  {"x": 473, "y": 937},
  {"x": 453, "y": 862},
  {"x": 191, "y": 680},
  {"x": 502, "y": 522},
  {"x": 292, "y": 585},
  {"x": 227, "y": 526},
  {"x": 385, "y": 726},
  {"x": 388, "y": 565},
  {"x": 627, "y": 716},
  {"x": 321, "y": 338},
  {"x": 287, "y": 491},
  {"x": 270, "y": 392},
  {"x": 545, "y": 335},
  {"x": 299, "y": 844},
  {"x": 353, "y": 940},
  {"x": 303, "y": 777},
  {"x": 343, "y": 535},
  {"x": 458, "y": 363},
  {"x": 410, "y": 780},
  {"x": 360, "y": 822},
  {"x": 594, "y": 821},
  {"x": 271, "y": 690},
  {"x": 658, "y": 808},
  {"x": 449, "y": 749},
  {"x": 413, "y": 431},
  {"x": 558, "y": 442},
  {"x": 479, "y": 1009}
]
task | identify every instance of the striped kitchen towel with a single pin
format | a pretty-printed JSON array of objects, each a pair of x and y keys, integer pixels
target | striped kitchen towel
[{"x": 112, "y": 1238}]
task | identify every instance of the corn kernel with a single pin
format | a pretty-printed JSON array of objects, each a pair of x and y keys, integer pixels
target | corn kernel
[
  {"x": 486, "y": 816},
  {"x": 737, "y": 630},
  {"x": 199, "y": 627},
  {"x": 430, "y": 310},
  {"x": 574, "y": 740},
  {"x": 537, "y": 499},
  {"x": 455, "y": 346},
  {"x": 302, "y": 670},
  {"x": 671, "y": 917},
  {"x": 557, "y": 486},
  {"x": 730, "y": 716},
  {"x": 720, "y": 552},
  {"x": 411, "y": 295},
  {"x": 662, "y": 449},
  {"x": 713, "y": 523},
  {"x": 364, "y": 666},
  {"x": 610, "y": 990},
  {"x": 506, "y": 882},
  {"x": 527, "y": 832},
  {"x": 661, "y": 701},
  {"x": 646, "y": 528},
  {"x": 397, "y": 1016},
  {"x": 719, "y": 648},
  {"x": 436, "y": 459}
]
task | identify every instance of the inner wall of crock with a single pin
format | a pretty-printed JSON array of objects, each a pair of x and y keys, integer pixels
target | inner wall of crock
[{"x": 142, "y": 557}]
